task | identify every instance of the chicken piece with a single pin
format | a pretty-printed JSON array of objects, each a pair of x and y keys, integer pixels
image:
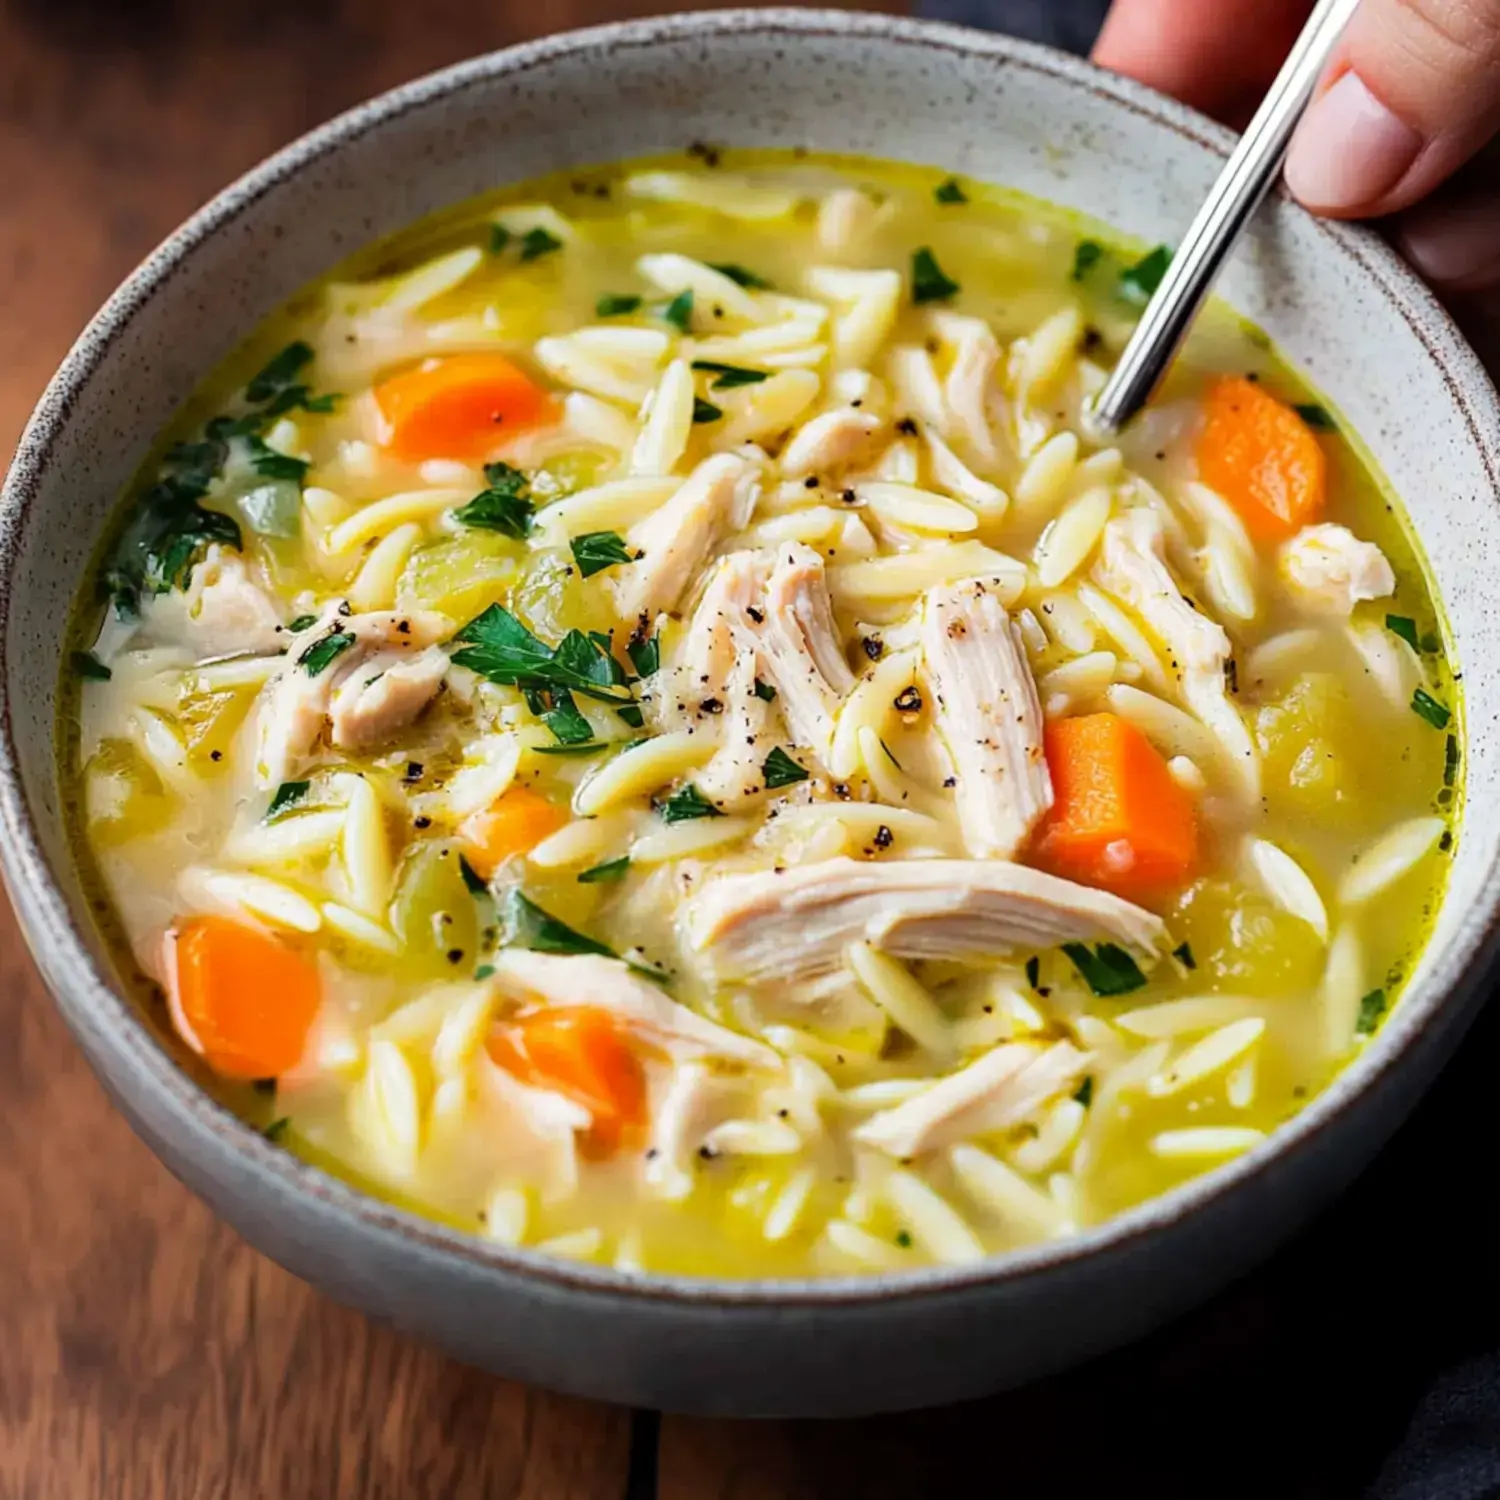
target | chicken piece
[
  {"x": 222, "y": 612},
  {"x": 676, "y": 540},
  {"x": 538, "y": 1131},
  {"x": 296, "y": 703},
  {"x": 722, "y": 627},
  {"x": 1132, "y": 567},
  {"x": 612, "y": 985},
  {"x": 694, "y": 1101},
  {"x": 830, "y": 443},
  {"x": 796, "y": 922},
  {"x": 736, "y": 773},
  {"x": 993, "y": 1093},
  {"x": 800, "y": 650},
  {"x": 976, "y": 353},
  {"x": 1329, "y": 570},
  {"x": 988, "y": 716}
]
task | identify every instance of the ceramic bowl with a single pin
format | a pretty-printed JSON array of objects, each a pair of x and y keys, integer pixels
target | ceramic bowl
[{"x": 1342, "y": 308}]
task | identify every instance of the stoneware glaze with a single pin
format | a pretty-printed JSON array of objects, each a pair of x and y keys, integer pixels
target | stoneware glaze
[{"x": 1342, "y": 308}]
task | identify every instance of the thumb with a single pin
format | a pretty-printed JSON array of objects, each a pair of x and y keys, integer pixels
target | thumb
[{"x": 1413, "y": 93}]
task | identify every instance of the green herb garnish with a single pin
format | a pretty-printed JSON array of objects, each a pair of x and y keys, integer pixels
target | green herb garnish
[
  {"x": 1371, "y": 1009},
  {"x": 323, "y": 653},
  {"x": 764, "y": 691},
  {"x": 1138, "y": 283},
  {"x": 595, "y": 551},
  {"x": 610, "y": 871},
  {"x": 686, "y": 803},
  {"x": 1427, "y": 707},
  {"x": 1088, "y": 255},
  {"x": 903, "y": 1239},
  {"x": 616, "y": 305},
  {"x": 302, "y": 622},
  {"x": 473, "y": 880},
  {"x": 566, "y": 721},
  {"x": 950, "y": 192},
  {"x": 1318, "y": 418},
  {"x": 484, "y": 971},
  {"x": 928, "y": 283},
  {"x": 87, "y": 665},
  {"x": 500, "y": 648},
  {"x": 730, "y": 376},
  {"x": 299, "y": 398},
  {"x": 289, "y": 794},
  {"x": 279, "y": 372},
  {"x": 781, "y": 770},
  {"x": 740, "y": 276},
  {"x": 536, "y": 243},
  {"x": 499, "y": 239},
  {"x": 1403, "y": 626},
  {"x": 645, "y": 656},
  {"x": 525, "y": 925},
  {"x": 631, "y": 716},
  {"x": 270, "y": 464},
  {"x": 1033, "y": 970},
  {"x": 1084, "y": 1094},
  {"x": 276, "y": 1129},
  {"x": 505, "y": 506},
  {"x": 705, "y": 411},
  {"x": 1107, "y": 969},
  {"x": 1450, "y": 760},
  {"x": 1183, "y": 953},
  {"x": 679, "y": 311}
]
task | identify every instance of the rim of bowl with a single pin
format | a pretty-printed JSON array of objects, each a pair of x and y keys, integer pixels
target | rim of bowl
[{"x": 49, "y": 923}]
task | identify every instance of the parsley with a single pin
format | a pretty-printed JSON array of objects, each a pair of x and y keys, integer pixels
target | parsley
[
  {"x": 1428, "y": 708},
  {"x": 1107, "y": 969},
  {"x": 631, "y": 716},
  {"x": 1317, "y": 417},
  {"x": 1450, "y": 760},
  {"x": 505, "y": 506},
  {"x": 595, "y": 551},
  {"x": 685, "y": 803},
  {"x": 526, "y": 925},
  {"x": 950, "y": 192},
  {"x": 499, "y": 647},
  {"x": 270, "y": 464},
  {"x": 323, "y": 653},
  {"x": 1371, "y": 1009},
  {"x": 1138, "y": 283},
  {"x": 484, "y": 971},
  {"x": 781, "y": 770},
  {"x": 1183, "y": 953},
  {"x": 615, "y": 305},
  {"x": 610, "y": 871},
  {"x": 499, "y": 238},
  {"x": 679, "y": 311},
  {"x": 705, "y": 411},
  {"x": 289, "y": 794},
  {"x": 279, "y": 372},
  {"x": 764, "y": 691},
  {"x": 299, "y": 398},
  {"x": 928, "y": 283},
  {"x": 740, "y": 276},
  {"x": 1033, "y": 970},
  {"x": 165, "y": 537},
  {"x": 730, "y": 376},
  {"x": 1403, "y": 626},
  {"x": 903, "y": 1238},
  {"x": 87, "y": 665},
  {"x": 1085, "y": 1091},
  {"x": 302, "y": 622},
  {"x": 276, "y": 1130},
  {"x": 536, "y": 243},
  {"x": 566, "y": 721},
  {"x": 473, "y": 880},
  {"x": 1088, "y": 255},
  {"x": 645, "y": 656}
]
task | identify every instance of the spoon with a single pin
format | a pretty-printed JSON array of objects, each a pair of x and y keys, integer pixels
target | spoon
[{"x": 1246, "y": 179}]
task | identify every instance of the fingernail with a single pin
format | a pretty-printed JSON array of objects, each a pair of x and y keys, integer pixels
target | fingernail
[
  {"x": 1350, "y": 151},
  {"x": 1456, "y": 245}
]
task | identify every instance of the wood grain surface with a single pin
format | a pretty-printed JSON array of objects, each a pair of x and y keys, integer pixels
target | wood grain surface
[{"x": 147, "y": 1354}]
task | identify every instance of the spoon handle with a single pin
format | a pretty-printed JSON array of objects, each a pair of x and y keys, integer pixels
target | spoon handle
[{"x": 1244, "y": 182}]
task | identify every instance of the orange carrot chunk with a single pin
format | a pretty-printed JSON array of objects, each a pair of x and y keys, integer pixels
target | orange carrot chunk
[
  {"x": 458, "y": 407},
  {"x": 514, "y": 823},
  {"x": 243, "y": 999},
  {"x": 1263, "y": 459},
  {"x": 1119, "y": 821},
  {"x": 580, "y": 1054}
]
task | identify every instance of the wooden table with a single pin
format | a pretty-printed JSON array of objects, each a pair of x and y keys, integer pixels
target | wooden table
[{"x": 146, "y": 1353}]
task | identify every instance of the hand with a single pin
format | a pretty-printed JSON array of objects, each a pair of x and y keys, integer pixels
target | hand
[{"x": 1400, "y": 125}]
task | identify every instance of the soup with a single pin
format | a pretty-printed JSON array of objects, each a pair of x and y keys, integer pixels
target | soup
[{"x": 634, "y": 720}]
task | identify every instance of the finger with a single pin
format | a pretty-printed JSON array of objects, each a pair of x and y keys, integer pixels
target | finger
[
  {"x": 1413, "y": 96},
  {"x": 1453, "y": 238},
  {"x": 1216, "y": 55}
]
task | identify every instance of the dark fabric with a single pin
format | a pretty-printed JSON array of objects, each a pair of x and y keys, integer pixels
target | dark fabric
[{"x": 1406, "y": 1272}]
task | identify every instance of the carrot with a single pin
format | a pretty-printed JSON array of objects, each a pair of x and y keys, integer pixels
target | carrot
[
  {"x": 514, "y": 823},
  {"x": 1263, "y": 459},
  {"x": 241, "y": 998},
  {"x": 1118, "y": 821},
  {"x": 459, "y": 407},
  {"x": 580, "y": 1054}
]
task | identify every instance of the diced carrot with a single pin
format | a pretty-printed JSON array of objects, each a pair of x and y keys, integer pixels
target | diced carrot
[
  {"x": 459, "y": 407},
  {"x": 243, "y": 999},
  {"x": 514, "y": 823},
  {"x": 1263, "y": 459},
  {"x": 1119, "y": 820},
  {"x": 580, "y": 1054}
]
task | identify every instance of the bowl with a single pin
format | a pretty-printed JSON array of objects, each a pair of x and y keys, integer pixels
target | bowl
[{"x": 1342, "y": 308}]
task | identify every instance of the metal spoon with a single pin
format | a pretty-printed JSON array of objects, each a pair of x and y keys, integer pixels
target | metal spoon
[{"x": 1244, "y": 182}]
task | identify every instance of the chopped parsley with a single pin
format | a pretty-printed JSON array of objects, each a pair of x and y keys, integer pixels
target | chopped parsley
[
  {"x": 87, "y": 665},
  {"x": 566, "y": 721},
  {"x": 764, "y": 691},
  {"x": 323, "y": 653},
  {"x": 645, "y": 656},
  {"x": 1107, "y": 969},
  {"x": 278, "y": 373},
  {"x": 499, "y": 239},
  {"x": 631, "y": 716},
  {"x": 1427, "y": 707},
  {"x": 1450, "y": 760},
  {"x": 1138, "y": 283},
  {"x": 1183, "y": 953},
  {"x": 705, "y": 411},
  {"x": 525, "y": 925},
  {"x": 1084, "y": 1094},
  {"x": 505, "y": 506},
  {"x": 302, "y": 622},
  {"x": 903, "y": 1238},
  {"x": 1317, "y": 417},
  {"x": 730, "y": 376},
  {"x": 740, "y": 276},
  {"x": 1371, "y": 1008},
  {"x": 484, "y": 971},
  {"x": 950, "y": 192},
  {"x": 616, "y": 305},
  {"x": 1088, "y": 255},
  {"x": 270, "y": 464},
  {"x": 594, "y": 551},
  {"x": 536, "y": 242},
  {"x": 685, "y": 804},
  {"x": 679, "y": 311},
  {"x": 607, "y": 873},
  {"x": 276, "y": 1129},
  {"x": 1405, "y": 627},
  {"x": 1033, "y": 970},
  {"x": 781, "y": 770},
  {"x": 473, "y": 880},
  {"x": 928, "y": 283},
  {"x": 289, "y": 794},
  {"x": 500, "y": 648},
  {"x": 165, "y": 537}
]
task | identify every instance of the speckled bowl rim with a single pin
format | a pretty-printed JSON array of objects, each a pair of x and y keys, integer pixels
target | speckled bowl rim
[{"x": 69, "y": 964}]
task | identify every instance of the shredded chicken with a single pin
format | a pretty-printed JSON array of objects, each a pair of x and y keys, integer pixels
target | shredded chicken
[
  {"x": 1329, "y": 570},
  {"x": 795, "y": 922},
  {"x": 676, "y": 540},
  {"x": 222, "y": 612},
  {"x": 830, "y": 443},
  {"x": 695, "y": 1100},
  {"x": 721, "y": 626},
  {"x": 540, "y": 1130},
  {"x": 736, "y": 773},
  {"x": 1132, "y": 567},
  {"x": 967, "y": 389},
  {"x": 799, "y": 647},
  {"x": 988, "y": 716},
  {"x": 611, "y": 984},
  {"x": 993, "y": 1093},
  {"x": 296, "y": 705}
]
